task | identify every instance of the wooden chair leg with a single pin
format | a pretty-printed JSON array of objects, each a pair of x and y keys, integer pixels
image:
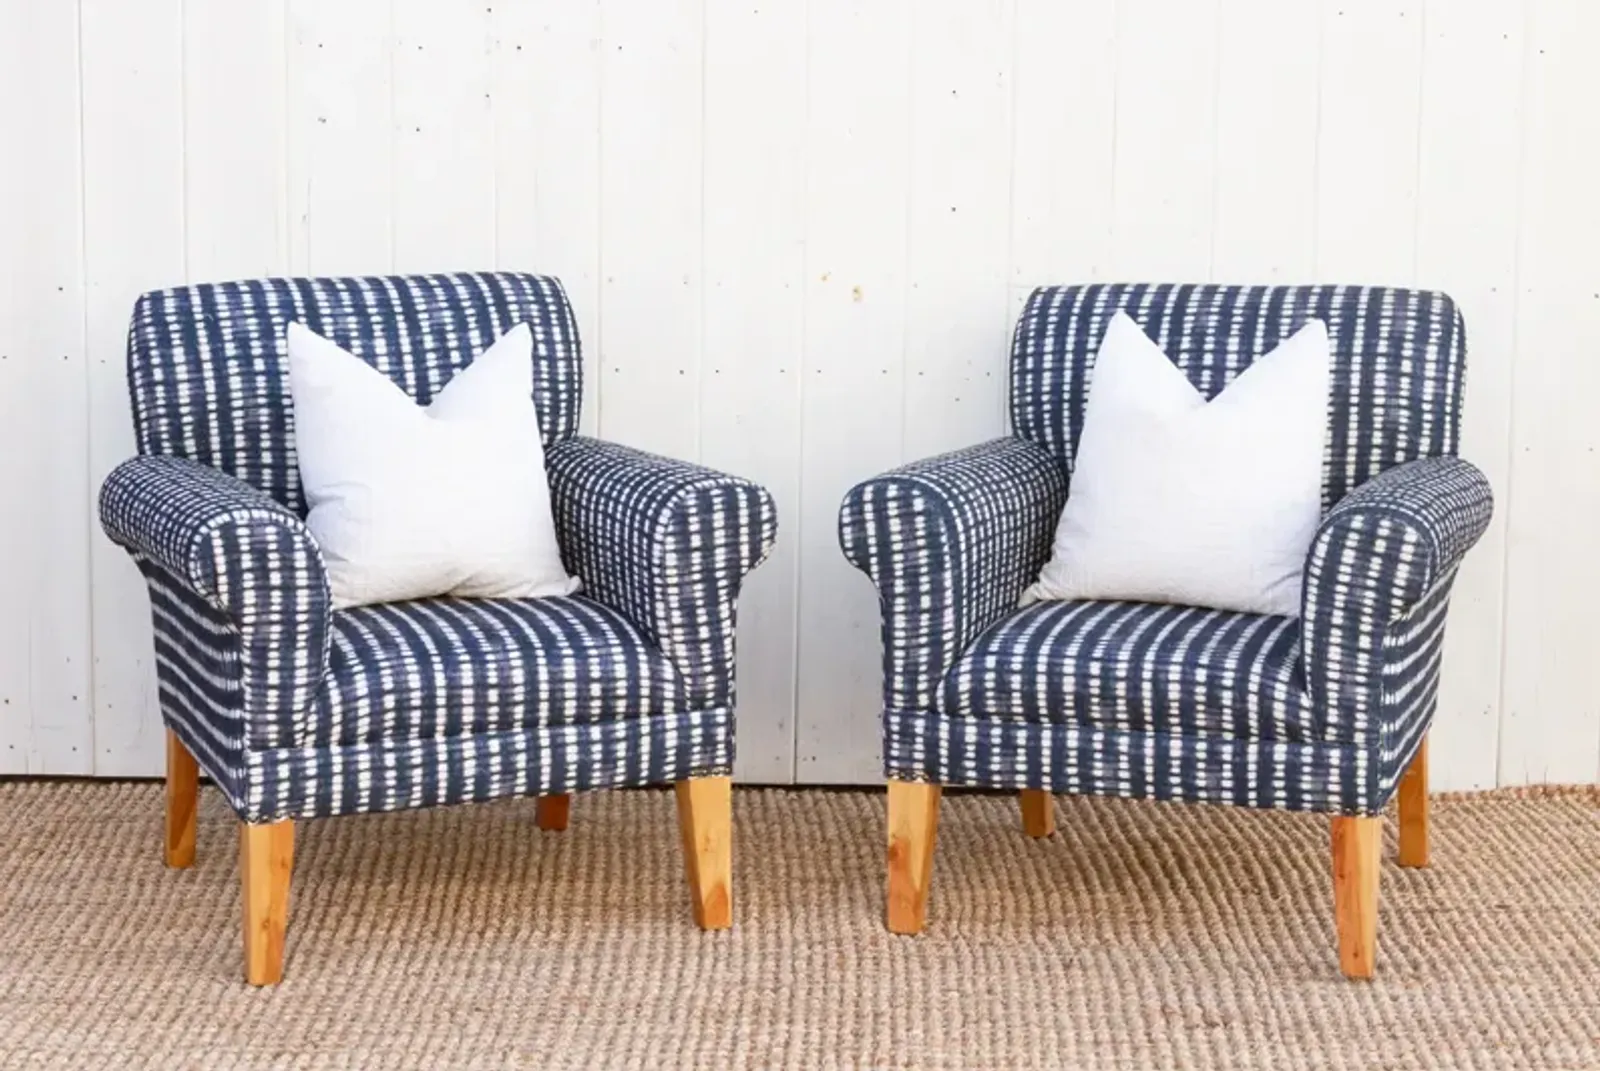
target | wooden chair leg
[
  {"x": 553, "y": 812},
  {"x": 705, "y": 818},
  {"x": 1038, "y": 812},
  {"x": 1414, "y": 810},
  {"x": 266, "y": 859},
  {"x": 183, "y": 789},
  {"x": 1356, "y": 843},
  {"x": 913, "y": 823}
]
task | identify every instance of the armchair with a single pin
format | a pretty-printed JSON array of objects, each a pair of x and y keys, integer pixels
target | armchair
[
  {"x": 296, "y": 710},
  {"x": 1326, "y": 713}
]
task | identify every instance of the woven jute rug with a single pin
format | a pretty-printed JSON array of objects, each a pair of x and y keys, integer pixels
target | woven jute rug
[{"x": 1139, "y": 936}]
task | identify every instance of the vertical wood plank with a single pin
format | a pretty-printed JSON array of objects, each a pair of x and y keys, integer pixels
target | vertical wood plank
[
  {"x": 48, "y": 672},
  {"x": 518, "y": 84},
  {"x": 1550, "y": 725},
  {"x": 1367, "y": 142},
  {"x": 1166, "y": 56},
  {"x": 1264, "y": 203},
  {"x": 754, "y": 307},
  {"x": 16, "y": 541},
  {"x": 857, "y": 183},
  {"x": 651, "y": 196},
  {"x": 444, "y": 174},
  {"x": 546, "y": 114},
  {"x": 959, "y": 225},
  {"x": 236, "y": 121},
  {"x": 1470, "y": 154},
  {"x": 342, "y": 156},
  {"x": 1063, "y": 158},
  {"x": 133, "y": 203}
]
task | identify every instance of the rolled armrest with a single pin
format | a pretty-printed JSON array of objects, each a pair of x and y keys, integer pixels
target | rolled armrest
[
  {"x": 666, "y": 543},
  {"x": 247, "y": 557},
  {"x": 1389, "y": 548},
  {"x": 951, "y": 543}
]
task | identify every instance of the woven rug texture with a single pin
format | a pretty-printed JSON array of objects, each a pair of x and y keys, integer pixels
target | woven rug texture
[{"x": 1141, "y": 935}]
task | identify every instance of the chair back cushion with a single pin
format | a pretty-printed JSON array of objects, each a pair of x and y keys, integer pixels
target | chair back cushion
[
  {"x": 1398, "y": 361},
  {"x": 208, "y": 366}
]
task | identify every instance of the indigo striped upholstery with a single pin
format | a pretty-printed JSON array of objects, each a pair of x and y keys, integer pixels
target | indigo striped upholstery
[
  {"x": 299, "y": 711},
  {"x": 1397, "y": 373},
  {"x": 207, "y": 365},
  {"x": 396, "y": 671},
  {"x": 239, "y": 595},
  {"x": 665, "y": 543},
  {"x": 1178, "y": 670},
  {"x": 951, "y": 542},
  {"x": 394, "y": 775},
  {"x": 1130, "y": 699}
]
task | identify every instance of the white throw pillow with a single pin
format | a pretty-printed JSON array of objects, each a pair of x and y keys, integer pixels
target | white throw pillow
[
  {"x": 1174, "y": 499},
  {"x": 408, "y": 502}
]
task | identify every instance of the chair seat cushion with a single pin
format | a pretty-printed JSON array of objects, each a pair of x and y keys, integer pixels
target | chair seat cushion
[
  {"x": 1136, "y": 666},
  {"x": 452, "y": 667}
]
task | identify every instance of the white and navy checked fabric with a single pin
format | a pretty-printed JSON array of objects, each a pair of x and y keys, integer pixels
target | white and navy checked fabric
[
  {"x": 1135, "y": 666},
  {"x": 951, "y": 543},
  {"x": 237, "y": 582},
  {"x": 299, "y": 711},
  {"x": 1377, "y": 584},
  {"x": 396, "y": 671},
  {"x": 1167, "y": 702},
  {"x": 314, "y": 782},
  {"x": 208, "y": 364},
  {"x": 666, "y": 543},
  {"x": 1089, "y": 760},
  {"x": 1399, "y": 361}
]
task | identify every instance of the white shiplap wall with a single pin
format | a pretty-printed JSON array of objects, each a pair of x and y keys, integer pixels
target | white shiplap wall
[{"x": 796, "y": 234}]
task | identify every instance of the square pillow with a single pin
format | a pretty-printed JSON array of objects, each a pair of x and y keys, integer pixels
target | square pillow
[
  {"x": 1174, "y": 499},
  {"x": 410, "y": 502}
]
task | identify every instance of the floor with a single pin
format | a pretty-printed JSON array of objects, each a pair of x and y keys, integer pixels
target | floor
[{"x": 1139, "y": 936}]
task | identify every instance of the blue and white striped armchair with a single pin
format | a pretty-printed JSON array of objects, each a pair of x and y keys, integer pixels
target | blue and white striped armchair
[
  {"x": 297, "y": 710},
  {"x": 1325, "y": 713}
]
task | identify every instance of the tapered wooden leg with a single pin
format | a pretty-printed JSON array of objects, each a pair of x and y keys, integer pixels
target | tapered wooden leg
[
  {"x": 1038, "y": 812},
  {"x": 705, "y": 818},
  {"x": 553, "y": 812},
  {"x": 913, "y": 823},
  {"x": 266, "y": 859},
  {"x": 183, "y": 789},
  {"x": 1356, "y": 843},
  {"x": 1414, "y": 810}
]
